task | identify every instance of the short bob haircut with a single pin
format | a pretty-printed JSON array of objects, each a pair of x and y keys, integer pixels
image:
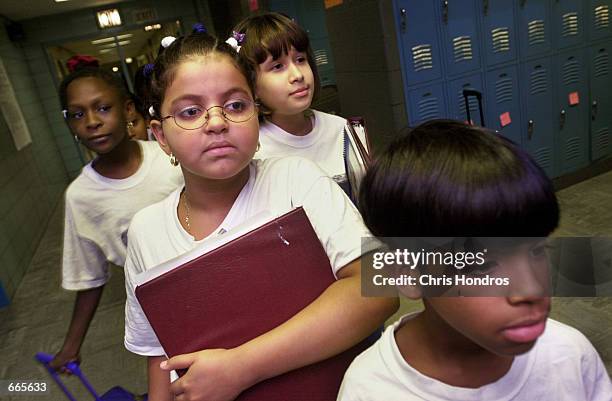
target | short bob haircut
[
  {"x": 92, "y": 72},
  {"x": 445, "y": 178},
  {"x": 273, "y": 34}
]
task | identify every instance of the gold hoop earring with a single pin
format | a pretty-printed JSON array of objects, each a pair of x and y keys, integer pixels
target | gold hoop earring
[
  {"x": 173, "y": 160},
  {"x": 130, "y": 125},
  {"x": 77, "y": 139}
]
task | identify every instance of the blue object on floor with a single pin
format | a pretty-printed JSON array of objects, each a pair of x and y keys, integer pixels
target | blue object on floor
[{"x": 116, "y": 393}]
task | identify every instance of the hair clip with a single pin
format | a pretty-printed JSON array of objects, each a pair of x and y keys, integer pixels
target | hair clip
[
  {"x": 167, "y": 41},
  {"x": 65, "y": 114},
  {"x": 199, "y": 27},
  {"x": 236, "y": 40},
  {"x": 151, "y": 111},
  {"x": 148, "y": 69}
]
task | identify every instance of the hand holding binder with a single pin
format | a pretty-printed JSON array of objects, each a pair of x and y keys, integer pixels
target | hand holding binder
[{"x": 241, "y": 290}]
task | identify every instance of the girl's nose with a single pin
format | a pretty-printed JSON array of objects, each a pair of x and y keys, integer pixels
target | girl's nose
[
  {"x": 92, "y": 120},
  {"x": 216, "y": 122},
  {"x": 296, "y": 74}
]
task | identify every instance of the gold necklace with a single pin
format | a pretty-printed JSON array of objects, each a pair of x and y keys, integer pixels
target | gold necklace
[{"x": 187, "y": 213}]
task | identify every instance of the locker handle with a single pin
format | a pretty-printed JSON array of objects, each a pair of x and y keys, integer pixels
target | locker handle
[
  {"x": 530, "y": 129},
  {"x": 485, "y": 7},
  {"x": 403, "y": 20},
  {"x": 562, "y": 119},
  {"x": 445, "y": 11},
  {"x": 594, "y": 110}
]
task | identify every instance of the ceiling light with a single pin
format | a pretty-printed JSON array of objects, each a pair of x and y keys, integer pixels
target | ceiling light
[
  {"x": 152, "y": 27},
  {"x": 128, "y": 60},
  {"x": 109, "y": 18},
  {"x": 115, "y": 69},
  {"x": 106, "y": 40},
  {"x": 60, "y": 1}
]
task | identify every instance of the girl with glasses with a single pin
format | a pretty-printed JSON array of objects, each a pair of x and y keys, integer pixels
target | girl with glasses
[{"x": 206, "y": 121}]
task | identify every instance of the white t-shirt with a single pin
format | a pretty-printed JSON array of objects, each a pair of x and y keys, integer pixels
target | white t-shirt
[
  {"x": 324, "y": 145},
  {"x": 562, "y": 366},
  {"x": 98, "y": 213},
  {"x": 276, "y": 185}
]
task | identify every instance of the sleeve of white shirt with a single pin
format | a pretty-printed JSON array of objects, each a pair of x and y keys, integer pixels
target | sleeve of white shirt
[
  {"x": 333, "y": 216},
  {"x": 139, "y": 336},
  {"x": 596, "y": 379},
  {"x": 84, "y": 265}
]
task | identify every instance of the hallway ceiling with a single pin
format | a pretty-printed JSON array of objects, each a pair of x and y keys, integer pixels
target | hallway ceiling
[{"x": 17, "y": 10}]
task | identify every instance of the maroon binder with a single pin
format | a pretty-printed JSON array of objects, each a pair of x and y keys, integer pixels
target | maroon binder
[{"x": 243, "y": 289}]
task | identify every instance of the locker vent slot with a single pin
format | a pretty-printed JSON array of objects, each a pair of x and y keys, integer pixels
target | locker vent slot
[
  {"x": 422, "y": 58},
  {"x": 601, "y": 64},
  {"x": 462, "y": 48},
  {"x": 503, "y": 90},
  {"x": 472, "y": 101},
  {"x": 602, "y": 139},
  {"x": 536, "y": 32},
  {"x": 602, "y": 17},
  {"x": 572, "y": 148},
  {"x": 501, "y": 39},
  {"x": 428, "y": 108},
  {"x": 570, "y": 24},
  {"x": 538, "y": 82},
  {"x": 571, "y": 72},
  {"x": 543, "y": 157},
  {"x": 321, "y": 57}
]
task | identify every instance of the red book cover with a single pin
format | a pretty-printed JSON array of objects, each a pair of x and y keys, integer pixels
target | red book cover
[{"x": 242, "y": 289}]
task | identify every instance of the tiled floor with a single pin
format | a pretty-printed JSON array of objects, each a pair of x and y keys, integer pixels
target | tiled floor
[{"x": 38, "y": 317}]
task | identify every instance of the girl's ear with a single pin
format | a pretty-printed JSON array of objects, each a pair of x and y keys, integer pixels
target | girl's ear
[
  {"x": 158, "y": 131},
  {"x": 130, "y": 110}
]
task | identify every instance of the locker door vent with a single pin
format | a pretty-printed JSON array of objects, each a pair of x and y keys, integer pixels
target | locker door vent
[
  {"x": 571, "y": 72},
  {"x": 320, "y": 56},
  {"x": 462, "y": 48},
  {"x": 503, "y": 90},
  {"x": 601, "y": 64},
  {"x": 538, "y": 83},
  {"x": 536, "y": 32},
  {"x": 501, "y": 39},
  {"x": 572, "y": 148},
  {"x": 602, "y": 138},
  {"x": 473, "y": 103},
  {"x": 422, "y": 57},
  {"x": 570, "y": 24},
  {"x": 543, "y": 157},
  {"x": 602, "y": 17},
  {"x": 428, "y": 107}
]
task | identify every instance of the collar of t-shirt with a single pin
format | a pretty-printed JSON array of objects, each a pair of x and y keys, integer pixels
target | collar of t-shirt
[
  {"x": 506, "y": 388},
  {"x": 278, "y": 134},
  {"x": 123, "y": 183},
  {"x": 235, "y": 216}
]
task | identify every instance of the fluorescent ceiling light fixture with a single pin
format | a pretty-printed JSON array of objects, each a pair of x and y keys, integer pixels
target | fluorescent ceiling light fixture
[
  {"x": 60, "y": 1},
  {"x": 152, "y": 27},
  {"x": 109, "y": 18},
  {"x": 106, "y": 40},
  {"x": 103, "y": 51},
  {"x": 115, "y": 69},
  {"x": 128, "y": 60},
  {"x": 122, "y": 43}
]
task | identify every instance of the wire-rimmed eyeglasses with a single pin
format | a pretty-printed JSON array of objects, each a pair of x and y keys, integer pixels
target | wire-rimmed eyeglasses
[{"x": 196, "y": 116}]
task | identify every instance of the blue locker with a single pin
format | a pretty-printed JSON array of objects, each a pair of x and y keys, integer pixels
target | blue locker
[
  {"x": 459, "y": 36},
  {"x": 538, "y": 122},
  {"x": 572, "y": 111},
  {"x": 426, "y": 103},
  {"x": 418, "y": 41},
  {"x": 498, "y": 32},
  {"x": 601, "y": 101},
  {"x": 569, "y": 23},
  {"x": 503, "y": 102},
  {"x": 456, "y": 101},
  {"x": 534, "y": 28},
  {"x": 599, "y": 23}
]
